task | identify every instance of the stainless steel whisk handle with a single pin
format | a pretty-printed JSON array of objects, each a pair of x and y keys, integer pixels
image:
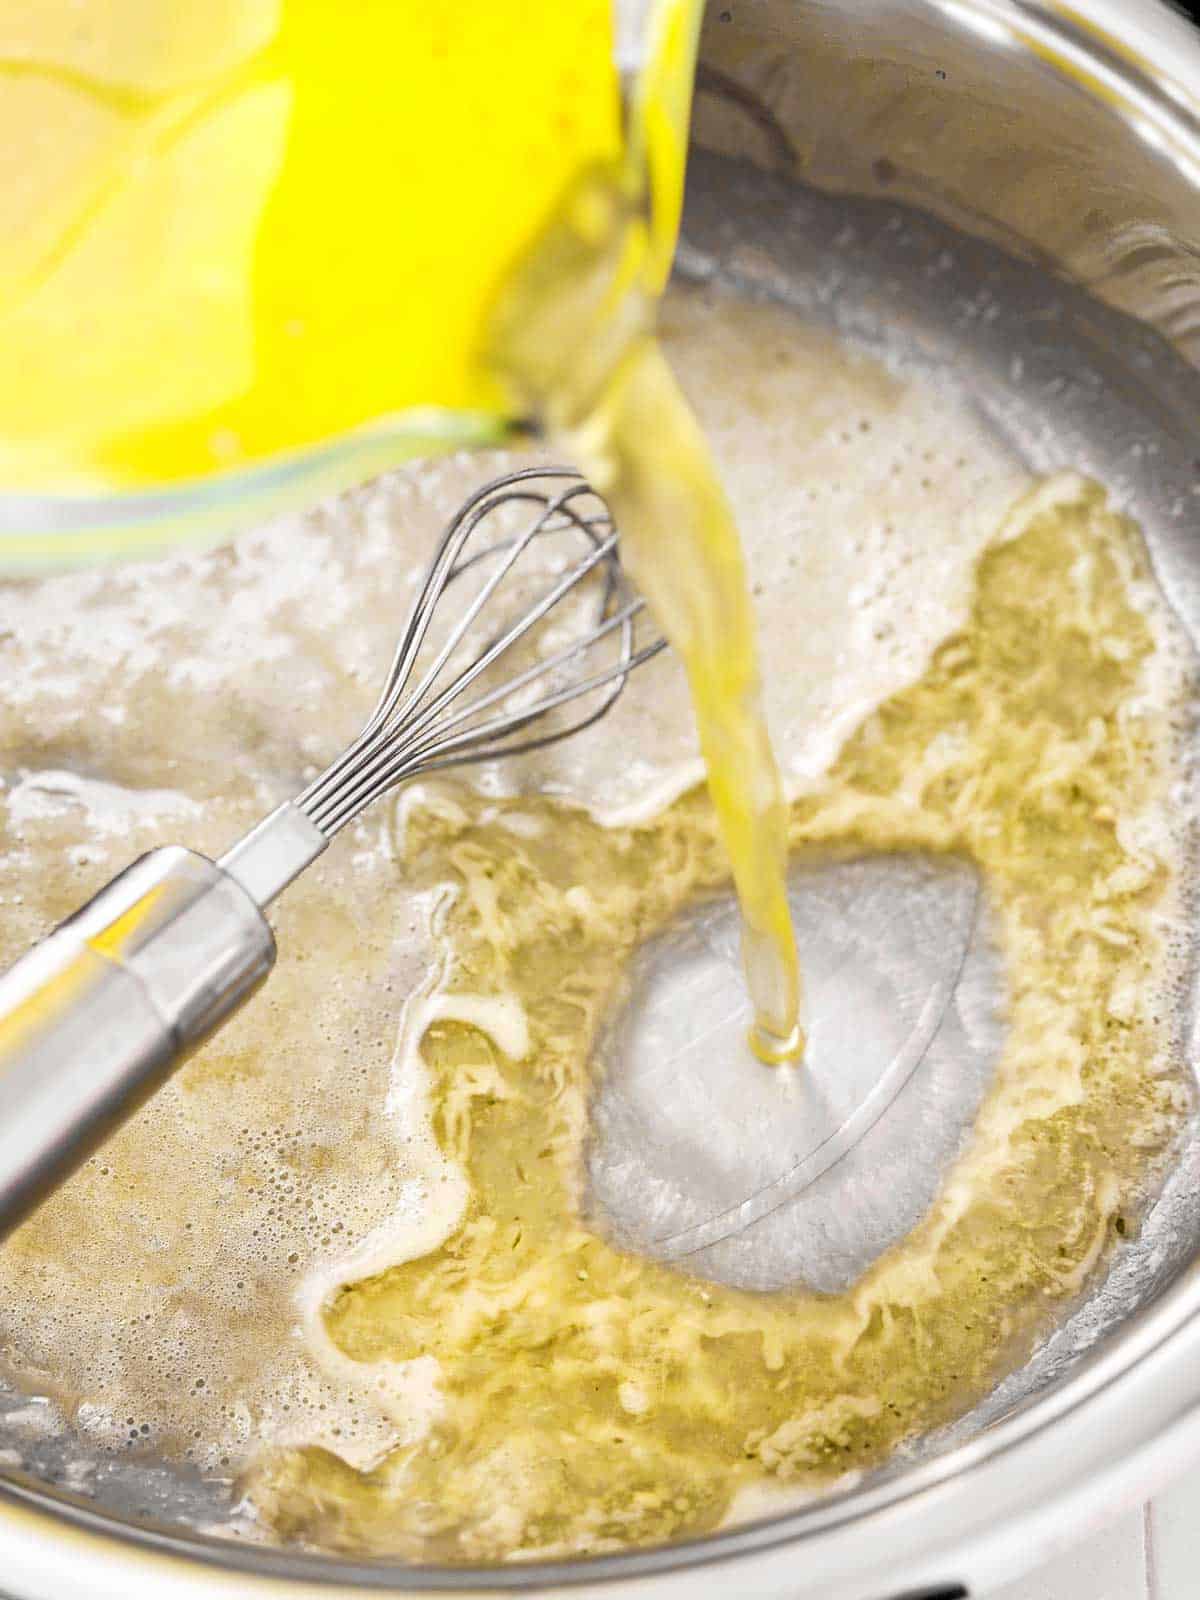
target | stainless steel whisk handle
[
  {"x": 103, "y": 1010},
  {"x": 100, "y": 1013}
]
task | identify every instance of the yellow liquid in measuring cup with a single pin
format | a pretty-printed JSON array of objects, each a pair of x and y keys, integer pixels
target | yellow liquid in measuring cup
[
  {"x": 232, "y": 231},
  {"x": 237, "y": 228}
]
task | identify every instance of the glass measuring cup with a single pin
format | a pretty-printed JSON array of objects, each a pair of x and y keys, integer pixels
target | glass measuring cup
[{"x": 248, "y": 251}]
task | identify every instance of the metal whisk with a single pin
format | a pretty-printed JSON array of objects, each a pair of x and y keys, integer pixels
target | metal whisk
[{"x": 95, "y": 1017}]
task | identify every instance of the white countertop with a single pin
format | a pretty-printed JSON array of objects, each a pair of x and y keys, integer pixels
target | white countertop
[{"x": 1149, "y": 1554}]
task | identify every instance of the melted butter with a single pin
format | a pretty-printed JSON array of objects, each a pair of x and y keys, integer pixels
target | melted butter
[
  {"x": 592, "y": 1399},
  {"x": 681, "y": 542},
  {"x": 258, "y": 224}
]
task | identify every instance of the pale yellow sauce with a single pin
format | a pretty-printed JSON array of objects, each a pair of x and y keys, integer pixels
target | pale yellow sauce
[{"x": 482, "y": 1374}]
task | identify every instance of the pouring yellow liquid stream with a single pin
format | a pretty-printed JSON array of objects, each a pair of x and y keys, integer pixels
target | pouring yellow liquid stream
[
  {"x": 576, "y": 336},
  {"x": 648, "y": 451},
  {"x": 231, "y": 233}
]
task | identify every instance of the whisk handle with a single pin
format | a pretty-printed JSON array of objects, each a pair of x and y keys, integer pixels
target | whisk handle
[{"x": 95, "y": 1017}]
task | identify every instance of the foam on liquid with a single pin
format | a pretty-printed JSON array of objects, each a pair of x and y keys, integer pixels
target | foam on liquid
[{"x": 311, "y": 1237}]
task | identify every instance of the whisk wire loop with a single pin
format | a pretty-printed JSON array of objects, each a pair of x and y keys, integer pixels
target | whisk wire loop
[{"x": 434, "y": 723}]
